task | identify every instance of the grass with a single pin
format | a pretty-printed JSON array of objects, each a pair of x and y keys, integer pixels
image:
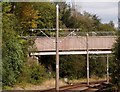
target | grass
[
  {"x": 92, "y": 79},
  {"x": 7, "y": 88},
  {"x": 50, "y": 83}
]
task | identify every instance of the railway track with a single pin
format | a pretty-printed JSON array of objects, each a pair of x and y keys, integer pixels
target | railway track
[{"x": 81, "y": 87}]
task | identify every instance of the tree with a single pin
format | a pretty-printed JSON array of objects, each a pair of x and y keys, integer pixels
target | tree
[
  {"x": 12, "y": 54},
  {"x": 111, "y": 23},
  {"x": 106, "y": 27},
  {"x": 116, "y": 64},
  {"x": 26, "y": 15}
]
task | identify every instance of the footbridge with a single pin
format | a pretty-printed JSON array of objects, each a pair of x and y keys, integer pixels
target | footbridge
[{"x": 74, "y": 45}]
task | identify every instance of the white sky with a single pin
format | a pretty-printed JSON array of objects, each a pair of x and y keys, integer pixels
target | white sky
[
  {"x": 107, "y": 10},
  {"x": 95, "y": 0}
]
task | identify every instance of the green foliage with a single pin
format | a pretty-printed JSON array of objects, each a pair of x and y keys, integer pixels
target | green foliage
[
  {"x": 86, "y": 21},
  {"x": 48, "y": 62},
  {"x": 106, "y": 27},
  {"x": 116, "y": 64},
  {"x": 97, "y": 66},
  {"x": 37, "y": 73},
  {"x": 72, "y": 66},
  {"x": 47, "y": 16},
  {"x": 12, "y": 53},
  {"x": 7, "y": 87},
  {"x": 15, "y": 49},
  {"x": 6, "y": 7},
  {"x": 33, "y": 74},
  {"x": 26, "y": 15}
]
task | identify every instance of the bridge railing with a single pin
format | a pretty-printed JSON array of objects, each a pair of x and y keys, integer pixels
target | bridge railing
[{"x": 92, "y": 33}]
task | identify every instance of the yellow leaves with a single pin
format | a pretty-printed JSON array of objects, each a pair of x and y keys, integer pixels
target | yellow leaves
[
  {"x": 28, "y": 15},
  {"x": 29, "y": 12},
  {"x": 33, "y": 25}
]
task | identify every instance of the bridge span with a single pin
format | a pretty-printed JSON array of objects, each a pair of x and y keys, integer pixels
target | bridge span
[{"x": 74, "y": 45}]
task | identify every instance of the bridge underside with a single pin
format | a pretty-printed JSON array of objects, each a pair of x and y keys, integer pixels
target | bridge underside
[{"x": 69, "y": 53}]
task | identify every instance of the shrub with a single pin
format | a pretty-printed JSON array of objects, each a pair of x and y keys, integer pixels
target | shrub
[
  {"x": 12, "y": 54},
  {"x": 33, "y": 74},
  {"x": 38, "y": 74}
]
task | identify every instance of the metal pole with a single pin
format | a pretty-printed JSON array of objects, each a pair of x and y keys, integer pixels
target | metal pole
[
  {"x": 57, "y": 49},
  {"x": 87, "y": 59},
  {"x": 107, "y": 69}
]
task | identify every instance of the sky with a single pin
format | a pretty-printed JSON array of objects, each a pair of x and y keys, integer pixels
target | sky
[{"x": 107, "y": 10}]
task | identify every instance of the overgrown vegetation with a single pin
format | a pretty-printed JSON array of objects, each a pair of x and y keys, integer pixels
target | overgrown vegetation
[
  {"x": 15, "y": 53},
  {"x": 34, "y": 74},
  {"x": 12, "y": 53},
  {"x": 73, "y": 66},
  {"x": 116, "y": 64},
  {"x": 20, "y": 17}
]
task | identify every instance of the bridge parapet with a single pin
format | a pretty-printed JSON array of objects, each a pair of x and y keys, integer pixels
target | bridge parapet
[{"x": 75, "y": 43}]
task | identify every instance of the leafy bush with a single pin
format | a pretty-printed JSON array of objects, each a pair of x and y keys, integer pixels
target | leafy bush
[
  {"x": 38, "y": 74},
  {"x": 12, "y": 53},
  {"x": 33, "y": 74},
  {"x": 97, "y": 66},
  {"x": 72, "y": 66}
]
